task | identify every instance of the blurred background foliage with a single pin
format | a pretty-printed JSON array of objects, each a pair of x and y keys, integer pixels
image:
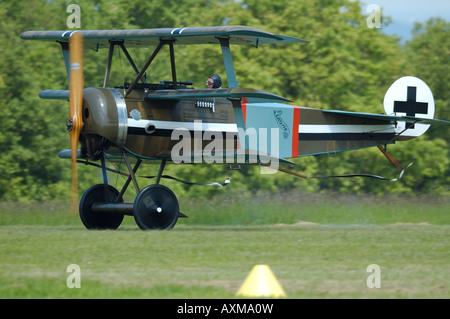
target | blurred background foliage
[{"x": 346, "y": 66}]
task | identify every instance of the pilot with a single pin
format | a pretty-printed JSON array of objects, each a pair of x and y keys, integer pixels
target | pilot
[{"x": 214, "y": 82}]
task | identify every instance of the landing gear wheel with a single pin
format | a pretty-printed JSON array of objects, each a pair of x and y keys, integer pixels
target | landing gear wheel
[
  {"x": 99, "y": 220},
  {"x": 156, "y": 207}
]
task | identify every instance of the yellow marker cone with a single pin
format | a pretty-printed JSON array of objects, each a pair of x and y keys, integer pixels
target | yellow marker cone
[{"x": 261, "y": 282}]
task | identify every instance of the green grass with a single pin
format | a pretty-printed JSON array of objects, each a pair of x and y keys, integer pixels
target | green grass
[
  {"x": 290, "y": 208},
  {"x": 317, "y": 247}
]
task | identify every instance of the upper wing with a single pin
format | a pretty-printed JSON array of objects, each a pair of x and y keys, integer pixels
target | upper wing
[{"x": 96, "y": 39}]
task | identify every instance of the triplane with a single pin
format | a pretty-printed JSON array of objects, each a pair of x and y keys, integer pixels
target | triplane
[{"x": 137, "y": 121}]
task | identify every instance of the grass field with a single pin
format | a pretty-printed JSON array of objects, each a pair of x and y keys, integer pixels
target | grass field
[{"x": 317, "y": 246}]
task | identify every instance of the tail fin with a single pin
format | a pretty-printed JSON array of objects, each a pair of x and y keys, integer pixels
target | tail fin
[{"x": 410, "y": 97}]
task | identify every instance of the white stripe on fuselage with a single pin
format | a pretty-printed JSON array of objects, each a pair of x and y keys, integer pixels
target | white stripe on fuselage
[
  {"x": 345, "y": 128},
  {"x": 232, "y": 127},
  {"x": 191, "y": 126}
]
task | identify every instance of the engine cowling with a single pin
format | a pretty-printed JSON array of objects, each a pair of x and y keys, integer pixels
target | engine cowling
[{"x": 105, "y": 120}]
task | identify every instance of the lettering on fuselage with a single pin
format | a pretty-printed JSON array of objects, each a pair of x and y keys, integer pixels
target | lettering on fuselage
[{"x": 281, "y": 123}]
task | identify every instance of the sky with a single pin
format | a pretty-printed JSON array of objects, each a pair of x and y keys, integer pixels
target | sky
[{"x": 405, "y": 12}]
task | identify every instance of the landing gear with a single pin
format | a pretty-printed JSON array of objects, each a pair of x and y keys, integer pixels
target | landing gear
[
  {"x": 156, "y": 207},
  {"x": 93, "y": 219}
]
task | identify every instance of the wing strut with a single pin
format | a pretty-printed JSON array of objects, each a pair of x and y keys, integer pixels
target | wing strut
[
  {"x": 133, "y": 65},
  {"x": 172, "y": 64},
  {"x": 147, "y": 64},
  {"x": 108, "y": 65},
  {"x": 228, "y": 62}
]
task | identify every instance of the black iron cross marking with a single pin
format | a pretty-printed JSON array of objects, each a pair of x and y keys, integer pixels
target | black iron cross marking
[{"x": 411, "y": 107}]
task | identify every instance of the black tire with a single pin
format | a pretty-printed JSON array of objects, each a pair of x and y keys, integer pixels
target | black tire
[
  {"x": 99, "y": 220},
  {"x": 156, "y": 207}
]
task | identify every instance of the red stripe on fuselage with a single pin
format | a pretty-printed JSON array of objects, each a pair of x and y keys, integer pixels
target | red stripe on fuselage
[
  {"x": 295, "y": 124},
  {"x": 244, "y": 115},
  {"x": 244, "y": 109}
]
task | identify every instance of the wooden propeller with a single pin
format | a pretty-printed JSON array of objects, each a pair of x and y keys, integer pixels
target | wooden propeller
[{"x": 75, "y": 121}]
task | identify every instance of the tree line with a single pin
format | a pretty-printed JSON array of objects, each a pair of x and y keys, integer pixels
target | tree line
[{"x": 346, "y": 66}]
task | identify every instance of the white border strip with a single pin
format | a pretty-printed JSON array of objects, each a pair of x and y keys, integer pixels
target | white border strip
[
  {"x": 345, "y": 128},
  {"x": 232, "y": 127},
  {"x": 191, "y": 126}
]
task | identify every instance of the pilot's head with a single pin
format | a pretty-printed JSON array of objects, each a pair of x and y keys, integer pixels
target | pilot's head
[{"x": 214, "y": 82}]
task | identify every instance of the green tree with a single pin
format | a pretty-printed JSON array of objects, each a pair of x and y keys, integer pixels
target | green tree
[
  {"x": 428, "y": 57},
  {"x": 29, "y": 127}
]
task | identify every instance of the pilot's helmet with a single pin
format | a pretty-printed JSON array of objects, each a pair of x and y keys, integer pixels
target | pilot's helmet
[{"x": 217, "y": 81}]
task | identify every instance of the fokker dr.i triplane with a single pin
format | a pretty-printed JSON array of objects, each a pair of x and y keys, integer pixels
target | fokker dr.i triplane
[{"x": 136, "y": 122}]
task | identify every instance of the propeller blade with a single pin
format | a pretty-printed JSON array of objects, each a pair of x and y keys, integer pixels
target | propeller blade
[{"x": 75, "y": 121}]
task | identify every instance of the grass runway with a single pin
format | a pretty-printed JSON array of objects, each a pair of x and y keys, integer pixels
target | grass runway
[{"x": 207, "y": 257}]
